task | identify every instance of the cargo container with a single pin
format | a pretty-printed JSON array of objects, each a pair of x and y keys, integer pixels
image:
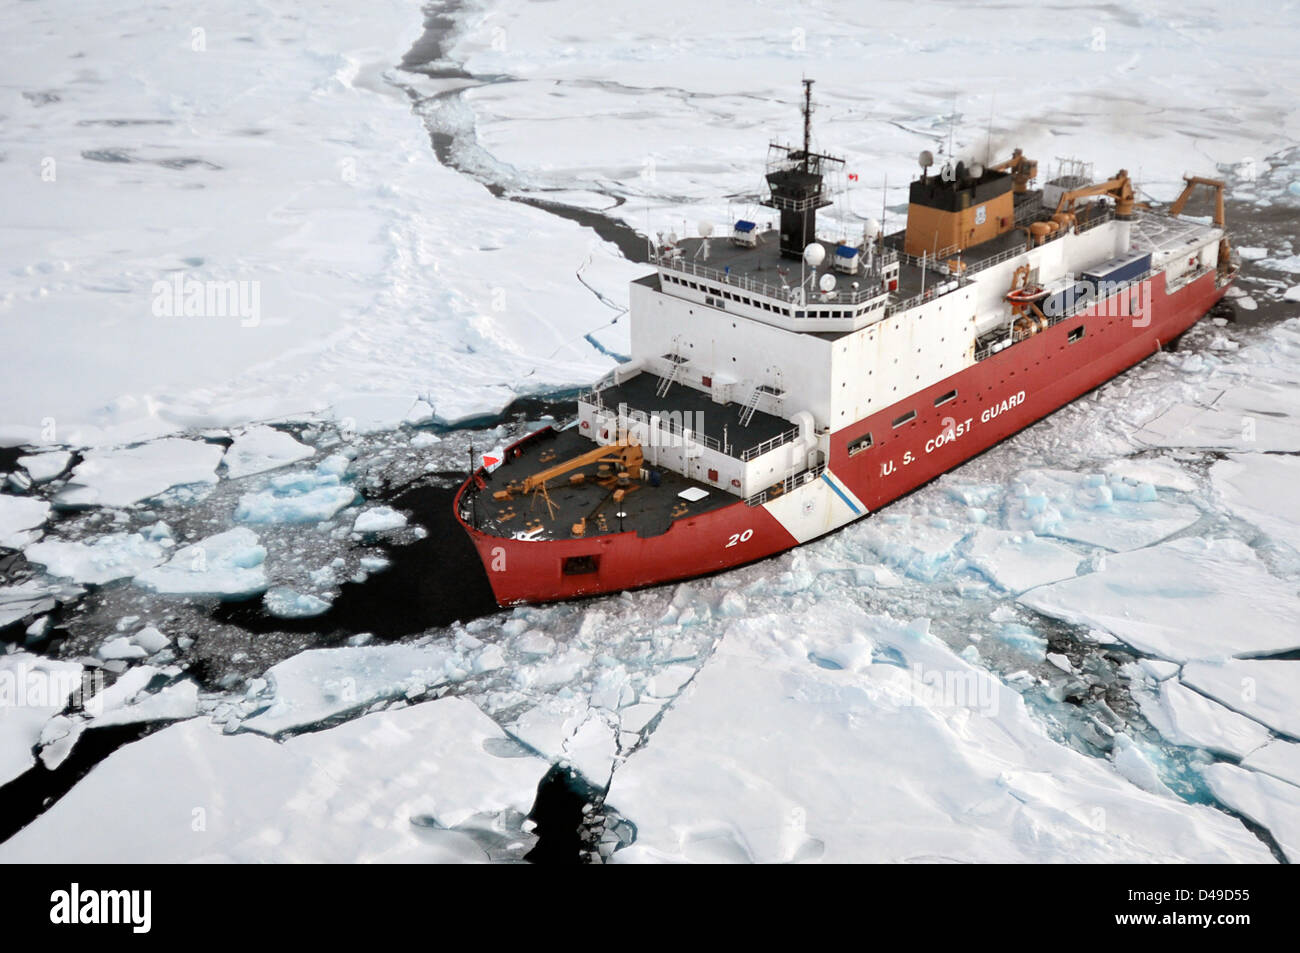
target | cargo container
[
  {"x": 1068, "y": 300},
  {"x": 1119, "y": 270}
]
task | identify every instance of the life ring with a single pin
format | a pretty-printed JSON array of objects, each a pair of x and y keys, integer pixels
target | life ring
[
  {"x": 735, "y": 483},
  {"x": 586, "y": 425}
]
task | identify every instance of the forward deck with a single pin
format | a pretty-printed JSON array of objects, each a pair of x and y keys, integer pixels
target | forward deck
[{"x": 647, "y": 510}]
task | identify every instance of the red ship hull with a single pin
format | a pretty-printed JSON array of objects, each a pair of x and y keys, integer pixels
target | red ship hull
[{"x": 996, "y": 397}]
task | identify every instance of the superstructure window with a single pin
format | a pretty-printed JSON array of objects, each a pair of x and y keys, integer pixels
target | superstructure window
[
  {"x": 944, "y": 398},
  {"x": 910, "y": 415},
  {"x": 857, "y": 446},
  {"x": 1076, "y": 334}
]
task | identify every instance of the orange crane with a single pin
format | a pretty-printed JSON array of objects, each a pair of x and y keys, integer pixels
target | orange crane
[
  {"x": 625, "y": 453},
  {"x": 1193, "y": 181},
  {"x": 1220, "y": 217},
  {"x": 1021, "y": 168},
  {"x": 1118, "y": 188}
]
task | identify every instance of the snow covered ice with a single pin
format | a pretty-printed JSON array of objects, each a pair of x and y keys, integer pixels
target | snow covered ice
[
  {"x": 1078, "y": 647},
  {"x": 228, "y": 564}
]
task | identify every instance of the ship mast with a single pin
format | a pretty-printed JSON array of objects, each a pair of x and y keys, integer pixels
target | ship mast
[
  {"x": 807, "y": 121},
  {"x": 794, "y": 178}
]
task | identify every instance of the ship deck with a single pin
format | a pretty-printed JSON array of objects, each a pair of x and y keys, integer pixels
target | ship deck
[
  {"x": 764, "y": 264},
  {"x": 698, "y": 411},
  {"x": 648, "y": 510}
]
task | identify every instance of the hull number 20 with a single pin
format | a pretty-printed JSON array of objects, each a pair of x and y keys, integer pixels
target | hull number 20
[{"x": 739, "y": 538}]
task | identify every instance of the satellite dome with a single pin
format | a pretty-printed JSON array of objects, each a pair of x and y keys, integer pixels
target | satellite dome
[
  {"x": 976, "y": 170},
  {"x": 814, "y": 255},
  {"x": 827, "y": 284},
  {"x": 871, "y": 229},
  {"x": 706, "y": 229},
  {"x": 925, "y": 159}
]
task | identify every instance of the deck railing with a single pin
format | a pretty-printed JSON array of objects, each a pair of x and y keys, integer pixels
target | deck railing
[{"x": 786, "y": 485}]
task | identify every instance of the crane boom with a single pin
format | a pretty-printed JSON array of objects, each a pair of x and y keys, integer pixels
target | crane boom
[
  {"x": 628, "y": 455},
  {"x": 1193, "y": 181},
  {"x": 1118, "y": 188}
]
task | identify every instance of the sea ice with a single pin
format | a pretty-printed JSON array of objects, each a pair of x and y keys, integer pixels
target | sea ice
[
  {"x": 1272, "y": 804},
  {"x": 120, "y": 477},
  {"x": 20, "y": 520},
  {"x": 296, "y": 498},
  {"x": 1185, "y": 599},
  {"x": 1091, "y": 508},
  {"x": 385, "y": 787},
  {"x": 33, "y": 689},
  {"x": 1267, "y": 690},
  {"x": 229, "y": 565},
  {"x": 262, "y": 448},
  {"x": 321, "y": 683},
  {"x": 1278, "y": 758},
  {"x": 285, "y": 603},
  {"x": 379, "y": 519},
  {"x": 173, "y": 702},
  {"x": 1019, "y": 561},
  {"x": 768, "y": 756},
  {"x": 1262, "y": 489},
  {"x": 102, "y": 560},
  {"x": 44, "y": 467},
  {"x": 1185, "y": 717}
]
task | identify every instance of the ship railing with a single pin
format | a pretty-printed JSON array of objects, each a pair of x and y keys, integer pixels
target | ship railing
[
  {"x": 1114, "y": 289},
  {"x": 769, "y": 445},
  {"x": 786, "y": 485},
  {"x": 786, "y": 294},
  {"x": 686, "y": 435}
]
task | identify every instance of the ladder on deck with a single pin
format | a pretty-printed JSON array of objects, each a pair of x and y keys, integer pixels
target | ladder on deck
[
  {"x": 751, "y": 406},
  {"x": 673, "y": 377}
]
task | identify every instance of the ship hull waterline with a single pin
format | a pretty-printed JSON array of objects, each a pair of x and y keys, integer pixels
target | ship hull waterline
[{"x": 996, "y": 398}]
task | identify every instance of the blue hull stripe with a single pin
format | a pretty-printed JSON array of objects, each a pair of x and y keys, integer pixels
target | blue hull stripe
[{"x": 840, "y": 494}]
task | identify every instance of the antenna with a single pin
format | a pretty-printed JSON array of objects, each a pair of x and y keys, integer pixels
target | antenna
[
  {"x": 952, "y": 121},
  {"x": 884, "y": 200},
  {"x": 988, "y": 141},
  {"x": 807, "y": 121}
]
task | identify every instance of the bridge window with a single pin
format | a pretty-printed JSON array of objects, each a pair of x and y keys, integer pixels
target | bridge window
[
  {"x": 1076, "y": 334},
  {"x": 944, "y": 398},
  {"x": 910, "y": 415}
]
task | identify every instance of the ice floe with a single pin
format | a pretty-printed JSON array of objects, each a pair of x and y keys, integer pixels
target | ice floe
[
  {"x": 322, "y": 683},
  {"x": 1111, "y": 512},
  {"x": 768, "y": 756},
  {"x": 1270, "y": 803},
  {"x": 302, "y": 497},
  {"x": 285, "y": 603},
  {"x": 1185, "y": 599},
  {"x": 391, "y": 786},
  {"x": 263, "y": 448},
  {"x": 120, "y": 477},
  {"x": 1267, "y": 690},
  {"x": 98, "y": 561},
  {"x": 1186, "y": 717},
  {"x": 33, "y": 690},
  {"x": 1264, "y": 489},
  {"x": 228, "y": 564},
  {"x": 21, "y": 519},
  {"x": 44, "y": 467},
  {"x": 1019, "y": 561},
  {"x": 379, "y": 519}
]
